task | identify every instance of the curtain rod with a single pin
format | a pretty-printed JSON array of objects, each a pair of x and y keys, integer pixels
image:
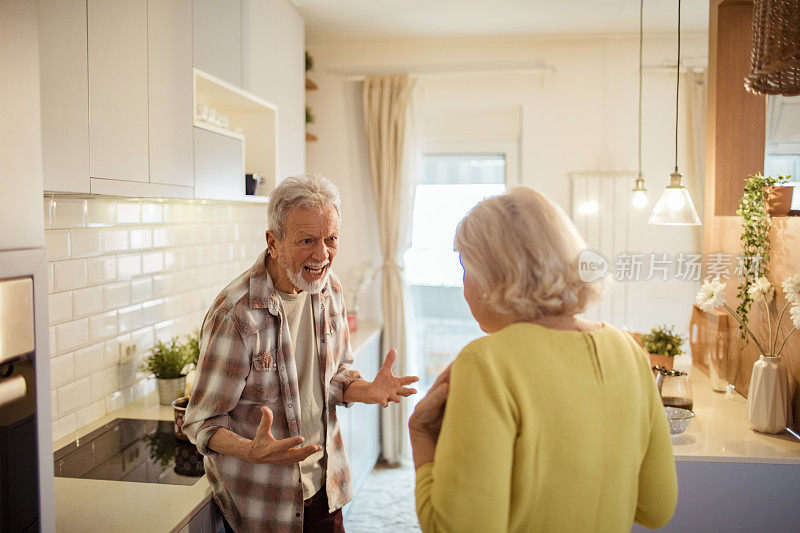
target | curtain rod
[{"x": 448, "y": 71}]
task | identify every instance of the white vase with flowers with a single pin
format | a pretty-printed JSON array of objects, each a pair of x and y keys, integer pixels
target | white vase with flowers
[{"x": 768, "y": 403}]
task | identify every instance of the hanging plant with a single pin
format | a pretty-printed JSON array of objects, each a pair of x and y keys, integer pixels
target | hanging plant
[
  {"x": 756, "y": 223},
  {"x": 309, "y": 116},
  {"x": 309, "y": 61}
]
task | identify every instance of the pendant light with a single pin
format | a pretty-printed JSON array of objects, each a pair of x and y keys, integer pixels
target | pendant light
[
  {"x": 675, "y": 207},
  {"x": 639, "y": 198}
]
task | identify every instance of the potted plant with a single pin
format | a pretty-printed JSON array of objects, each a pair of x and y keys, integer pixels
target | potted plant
[
  {"x": 167, "y": 361},
  {"x": 768, "y": 405},
  {"x": 663, "y": 344}
]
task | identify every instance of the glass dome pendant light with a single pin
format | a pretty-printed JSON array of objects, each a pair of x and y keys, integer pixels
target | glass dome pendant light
[
  {"x": 675, "y": 207},
  {"x": 639, "y": 198}
]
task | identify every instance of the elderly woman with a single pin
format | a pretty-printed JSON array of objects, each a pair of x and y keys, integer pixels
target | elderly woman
[{"x": 551, "y": 422}]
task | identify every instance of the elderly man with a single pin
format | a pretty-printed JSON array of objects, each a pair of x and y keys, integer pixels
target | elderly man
[{"x": 274, "y": 364}]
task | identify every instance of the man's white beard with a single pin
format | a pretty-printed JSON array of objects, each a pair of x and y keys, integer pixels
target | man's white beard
[{"x": 299, "y": 282}]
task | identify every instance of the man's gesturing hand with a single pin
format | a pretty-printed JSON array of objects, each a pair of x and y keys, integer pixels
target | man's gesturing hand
[
  {"x": 266, "y": 449},
  {"x": 385, "y": 388}
]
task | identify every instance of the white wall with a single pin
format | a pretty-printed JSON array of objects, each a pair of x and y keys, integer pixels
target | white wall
[{"x": 581, "y": 118}]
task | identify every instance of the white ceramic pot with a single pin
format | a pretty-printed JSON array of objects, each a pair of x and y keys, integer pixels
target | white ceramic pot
[
  {"x": 170, "y": 389},
  {"x": 768, "y": 407}
]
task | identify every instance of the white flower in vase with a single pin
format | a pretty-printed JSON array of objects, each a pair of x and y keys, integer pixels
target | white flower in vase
[
  {"x": 795, "y": 312},
  {"x": 711, "y": 295},
  {"x": 761, "y": 291},
  {"x": 791, "y": 286}
]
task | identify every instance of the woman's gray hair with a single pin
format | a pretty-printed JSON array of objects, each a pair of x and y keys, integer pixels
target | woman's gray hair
[
  {"x": 523, "y": 251},
  {"x": 309, "y": 191}
]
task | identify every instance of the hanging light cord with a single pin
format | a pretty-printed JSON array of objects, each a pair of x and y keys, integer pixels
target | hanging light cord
[
  {"x": 641, "y": 18},
  {"x": 677, "y": 85}
]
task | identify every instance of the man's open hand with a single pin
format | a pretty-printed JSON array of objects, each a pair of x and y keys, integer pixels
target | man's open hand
[
  {"x": 385, "y": 388},
  {"x": 266, "y": 449}
]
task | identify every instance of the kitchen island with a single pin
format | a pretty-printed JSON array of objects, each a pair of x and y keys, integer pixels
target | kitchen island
[
  {"x": 90, "y": 505},
  {"x": 731, "y": 478}
]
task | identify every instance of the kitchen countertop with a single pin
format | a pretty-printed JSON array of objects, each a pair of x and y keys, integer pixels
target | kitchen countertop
[
  {"x": 719, "y": 432},
  {"x": 89, "y": 505}
]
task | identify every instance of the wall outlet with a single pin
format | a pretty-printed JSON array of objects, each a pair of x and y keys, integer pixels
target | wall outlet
[{"x": 127, "y": 350}]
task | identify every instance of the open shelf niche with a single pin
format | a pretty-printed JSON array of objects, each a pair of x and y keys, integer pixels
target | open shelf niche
[{"x": 258, "y": 121}]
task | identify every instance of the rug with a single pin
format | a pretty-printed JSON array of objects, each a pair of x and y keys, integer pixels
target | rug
[{"x": 385, "y": 502}]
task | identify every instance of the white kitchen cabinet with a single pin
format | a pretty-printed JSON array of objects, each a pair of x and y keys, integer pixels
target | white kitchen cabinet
[
  {"x": 170, "y": 114},
  {"x": 218, "y": 164},
  {"x": 118, "y": 90},
  {"x": 217, "y": 43},
  {"x": 64, "y": 89},
  {"x": 274, "y": 69}
]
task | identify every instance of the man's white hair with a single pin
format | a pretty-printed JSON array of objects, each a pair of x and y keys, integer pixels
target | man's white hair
[{"x": 309, "y": 191}]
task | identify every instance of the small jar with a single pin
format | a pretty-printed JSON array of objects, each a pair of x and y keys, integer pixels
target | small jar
[{"x": 675, "y": 388}]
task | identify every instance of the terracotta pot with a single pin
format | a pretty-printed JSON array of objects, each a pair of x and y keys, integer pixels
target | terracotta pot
[
  {"x": 179, "y": 408},
  {"x": 662, "y": 360},
  {"x": 779, "y": 201}
]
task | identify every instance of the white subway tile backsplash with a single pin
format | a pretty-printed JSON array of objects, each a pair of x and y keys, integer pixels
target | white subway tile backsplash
[
  {"x": 161, "y": 237},
  {"x": 132, "y": 271},
  {"x": 62, "y": 371},
  {"x": 93, "y": 411},
  {"x": 100, "y": 213},
  {"x": 56, "y": 244},
  {"x": 63, "y": 426},
  {"x": 84, "y": 242},
  {"x": 128, "y": 213},
  {"x": 60, "y": 307},
  {"x": 130, "y": 318},
  {"x": 68, "y": 213},
  {"x": 101, "y": 269},
  {"x": 74, "y": 396},
  {"x": 89, "y": 360},
  {"x": 141, "y": 289},
  {"x": 88, "y": 301},
  {"x": 152, "y": 213},
  {"x": 71, "y": 335},
  {"x": 129, "y": 265},
  {"x": 103, "y": 326},
  {"x": 115, "y": 240},
  {"x": 152, "y": 262},
  {"x": 69, "y": 274},
  {"x": 104, "y": 383},
  {"x": 116, "y": 295},
  {"x": 141, "y": 239}
]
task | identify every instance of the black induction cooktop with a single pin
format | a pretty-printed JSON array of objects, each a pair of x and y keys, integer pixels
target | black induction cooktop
[{"x": 131, "y": 449}]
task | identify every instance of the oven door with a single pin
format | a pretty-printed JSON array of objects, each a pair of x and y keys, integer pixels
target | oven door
[{"x": 19, "y": 476}]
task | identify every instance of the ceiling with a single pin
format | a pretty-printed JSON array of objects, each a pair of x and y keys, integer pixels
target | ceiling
[{"x": 339, "y": 21}]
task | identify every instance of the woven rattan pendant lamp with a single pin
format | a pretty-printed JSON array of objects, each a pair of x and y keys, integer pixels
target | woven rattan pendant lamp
[
  {"x": 775, "y": 61},
  {"x": 675, "y": 207}
]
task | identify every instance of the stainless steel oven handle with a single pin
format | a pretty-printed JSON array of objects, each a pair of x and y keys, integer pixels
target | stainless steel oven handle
[{"x": 12, "y": 389}]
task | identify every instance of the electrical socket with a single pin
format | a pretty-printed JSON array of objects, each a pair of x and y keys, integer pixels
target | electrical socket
[{"x": 127, "y": 349}]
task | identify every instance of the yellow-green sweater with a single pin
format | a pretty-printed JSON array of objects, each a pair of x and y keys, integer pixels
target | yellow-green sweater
[{"x": 550, "y": 430}]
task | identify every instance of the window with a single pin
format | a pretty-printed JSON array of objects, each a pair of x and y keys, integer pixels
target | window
[{"x": 450, "y": 184}]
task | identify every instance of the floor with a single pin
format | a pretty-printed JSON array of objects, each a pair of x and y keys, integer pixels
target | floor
[{"x": 385, "y": 502}]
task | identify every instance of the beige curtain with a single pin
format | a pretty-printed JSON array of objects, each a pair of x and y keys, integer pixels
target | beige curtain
[{"x": 387, "y": 117}]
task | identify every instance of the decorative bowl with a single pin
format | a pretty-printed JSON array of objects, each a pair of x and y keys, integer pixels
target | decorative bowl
[{"x": 678, "y": 419}]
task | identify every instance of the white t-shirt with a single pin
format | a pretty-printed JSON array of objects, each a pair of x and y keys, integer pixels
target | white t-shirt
[{"x": 300, "y": 318}]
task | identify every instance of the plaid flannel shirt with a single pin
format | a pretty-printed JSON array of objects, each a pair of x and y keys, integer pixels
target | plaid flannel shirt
[{"x": 246, "y": 361}]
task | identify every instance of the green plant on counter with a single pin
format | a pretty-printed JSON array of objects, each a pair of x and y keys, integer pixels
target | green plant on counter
[
  {"x": 166, "y": 361},
  {"x": 756, "y": 223},
  {"x": 662, "y": 340},
  {"x": 192, "y": 347}
]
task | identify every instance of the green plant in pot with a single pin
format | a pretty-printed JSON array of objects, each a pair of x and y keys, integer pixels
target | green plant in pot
[
  {"x": 167, "y": 361},
  {"x": 663, "y": 344}
]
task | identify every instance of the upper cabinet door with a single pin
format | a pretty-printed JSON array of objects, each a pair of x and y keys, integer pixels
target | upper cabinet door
[
  {"x": 64, "y": 89},
  {"x": 274, "y": 69},
  {"x": 169, "y": 35},
  {"x": 217, "y": 27},
  {"x": 118, "y": 138}
]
